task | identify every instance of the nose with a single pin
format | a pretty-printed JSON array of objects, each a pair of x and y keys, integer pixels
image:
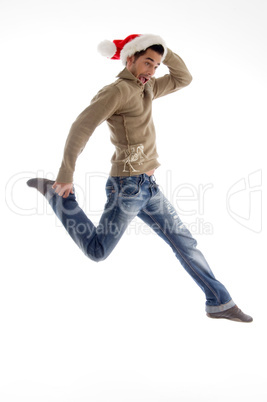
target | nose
[{"x": 153, "y": 71}]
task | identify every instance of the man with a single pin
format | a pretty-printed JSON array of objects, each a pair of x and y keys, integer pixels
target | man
[{"x": 131, "y": 189}]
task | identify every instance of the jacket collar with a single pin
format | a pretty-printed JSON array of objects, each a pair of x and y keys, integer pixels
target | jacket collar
[{"x": 126, "y": 75}]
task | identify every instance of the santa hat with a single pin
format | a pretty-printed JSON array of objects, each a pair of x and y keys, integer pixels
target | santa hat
[{"x": 123, "y": 48}]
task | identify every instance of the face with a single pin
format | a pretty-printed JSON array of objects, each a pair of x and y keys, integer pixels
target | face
[{"x": 145, "y": 66}]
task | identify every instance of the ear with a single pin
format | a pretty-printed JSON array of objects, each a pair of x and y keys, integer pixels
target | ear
[{"x": 130, "y": 60}]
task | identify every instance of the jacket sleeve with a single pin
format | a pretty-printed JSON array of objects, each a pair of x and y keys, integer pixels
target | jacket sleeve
[
  {"x": 178, "y": 77},
  {"x": 102, "y": 106}
]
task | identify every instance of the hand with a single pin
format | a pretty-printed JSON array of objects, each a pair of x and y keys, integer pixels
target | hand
[{"x": 63, "y": 189}]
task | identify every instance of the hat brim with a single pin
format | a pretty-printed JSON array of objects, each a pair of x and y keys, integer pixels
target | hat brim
[{"x": 141, "y": 43}]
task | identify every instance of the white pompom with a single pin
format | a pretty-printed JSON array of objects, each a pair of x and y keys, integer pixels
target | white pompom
[{"x": 107, "y": 48}]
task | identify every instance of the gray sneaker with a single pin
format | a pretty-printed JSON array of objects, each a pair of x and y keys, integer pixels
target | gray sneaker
[{"x": 233, "y": 314}]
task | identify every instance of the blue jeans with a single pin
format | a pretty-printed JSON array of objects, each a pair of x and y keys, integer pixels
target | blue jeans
[{"x": 128, "y": 197}]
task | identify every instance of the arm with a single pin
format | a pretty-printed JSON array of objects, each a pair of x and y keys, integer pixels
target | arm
[
  {"x": 103, "y": 105},
  {"x": 178, "y": 77}
]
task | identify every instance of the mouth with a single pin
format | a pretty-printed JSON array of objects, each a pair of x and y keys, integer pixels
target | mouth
[{"x": 143, "y": 78}]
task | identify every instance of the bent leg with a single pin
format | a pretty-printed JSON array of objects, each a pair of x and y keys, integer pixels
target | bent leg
[
  {"x": 126, "y": 196},
  {"x": 96, "y": 242},
  {"x": 160, "y": 215}
]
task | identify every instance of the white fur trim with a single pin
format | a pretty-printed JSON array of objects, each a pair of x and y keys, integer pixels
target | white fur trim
[
  {"x": 107, "y": 48},
  {"x": 140, "y": 43}
]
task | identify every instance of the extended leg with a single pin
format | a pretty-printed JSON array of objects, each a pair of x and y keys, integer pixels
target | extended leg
[{"x": 162, "y": 217}]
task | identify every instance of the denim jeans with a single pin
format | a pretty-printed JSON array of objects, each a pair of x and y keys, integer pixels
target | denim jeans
[{"x": 128, "y": 197}]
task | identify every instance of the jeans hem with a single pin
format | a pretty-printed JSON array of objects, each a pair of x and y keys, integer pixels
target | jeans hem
[{"x": 220, "y": 308}]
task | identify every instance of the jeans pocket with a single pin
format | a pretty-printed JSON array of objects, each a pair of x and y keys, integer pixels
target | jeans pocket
[
  {"x": 130, "y": 186},
  {"x": 109, "y": 189}
]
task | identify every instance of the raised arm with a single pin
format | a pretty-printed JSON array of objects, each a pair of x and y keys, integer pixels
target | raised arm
[{"x": 178, "y": 77}]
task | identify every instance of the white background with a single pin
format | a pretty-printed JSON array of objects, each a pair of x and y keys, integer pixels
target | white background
[{"x": 133, "y": 328}]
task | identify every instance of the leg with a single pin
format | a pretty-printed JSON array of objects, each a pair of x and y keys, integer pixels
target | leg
[
  {"x": 162, "y": 217},
  {"x": 125, "y": 199}
]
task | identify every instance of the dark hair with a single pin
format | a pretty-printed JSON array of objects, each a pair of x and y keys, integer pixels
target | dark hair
[{"x": 157, "y": 48}]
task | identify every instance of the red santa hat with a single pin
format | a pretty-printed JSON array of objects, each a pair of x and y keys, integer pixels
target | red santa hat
[{"x": 123, "y": 48}]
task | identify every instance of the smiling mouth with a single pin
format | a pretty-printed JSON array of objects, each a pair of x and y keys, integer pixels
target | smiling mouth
[{"x": 143, "y": 79}]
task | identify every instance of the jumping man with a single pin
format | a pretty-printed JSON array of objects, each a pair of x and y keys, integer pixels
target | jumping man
[{"x": 131, "y": 189}]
